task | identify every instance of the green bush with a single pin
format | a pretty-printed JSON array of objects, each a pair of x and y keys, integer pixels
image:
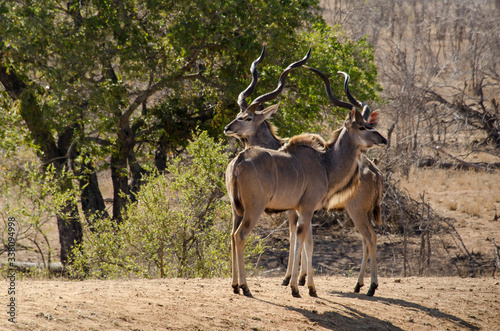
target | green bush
[
  {"x": 29, "y": 195},
  {"x": 179, "y": 226}
]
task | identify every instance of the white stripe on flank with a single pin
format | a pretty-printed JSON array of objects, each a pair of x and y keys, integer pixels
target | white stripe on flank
[
  {"x": 276, "y": 184},
  {"x": 297, "y": 173},
  {"x": 258, "y": 177}
]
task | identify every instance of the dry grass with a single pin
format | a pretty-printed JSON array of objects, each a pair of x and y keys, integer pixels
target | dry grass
[
  {"x": 451, "y": 204},
  {"x": 474, "y": 193}
]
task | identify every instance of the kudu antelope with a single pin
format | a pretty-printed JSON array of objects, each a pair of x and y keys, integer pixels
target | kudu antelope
[
  {"x": 365, "y": 203},
  {"x": 304, "y": 176},
  {"x": 253, "y": 129}
]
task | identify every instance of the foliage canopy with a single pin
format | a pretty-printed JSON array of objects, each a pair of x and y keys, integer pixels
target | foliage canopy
[{"x": 124, "y": 84}]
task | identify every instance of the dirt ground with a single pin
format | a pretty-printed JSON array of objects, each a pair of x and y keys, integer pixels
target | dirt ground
[
  {"x": 414, "y": 303},
  {"x": 400, "y": 303}
]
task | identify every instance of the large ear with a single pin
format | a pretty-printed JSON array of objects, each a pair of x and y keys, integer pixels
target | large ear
[
  {"x": 270, "y": 111},
  {"x": 373, "y": 119}
]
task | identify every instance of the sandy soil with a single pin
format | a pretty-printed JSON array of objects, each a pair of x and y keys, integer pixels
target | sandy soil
[
  {"x": 445, "y": 303},
  {"x": 400, "y": 303}
]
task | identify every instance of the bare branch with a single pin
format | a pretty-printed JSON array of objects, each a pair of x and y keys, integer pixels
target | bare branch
[
  {"x": 102, "y": 142},
  {"x": 163, "y": 82}
]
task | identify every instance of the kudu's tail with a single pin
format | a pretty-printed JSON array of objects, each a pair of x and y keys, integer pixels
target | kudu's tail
[
  {"x": 233, "y": 192},
  {"x": 377, "y": 215},
  {"x": 377, "y": 211}
]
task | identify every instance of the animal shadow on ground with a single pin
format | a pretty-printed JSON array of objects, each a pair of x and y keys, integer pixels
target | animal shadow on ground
[
  {"x": 436, "y": 313},
  {"x": 340, "y": 318}
]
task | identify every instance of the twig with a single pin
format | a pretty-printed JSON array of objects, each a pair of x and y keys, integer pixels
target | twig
[
  {"x": 277, "y": 229},
  {"x": 443, "y": 242},
  {"x": 497, "y": 254},
  {"x": 441, "y": 150},
  {"x": 65, "y": 156},
  {"x": 471, "y": 258}
]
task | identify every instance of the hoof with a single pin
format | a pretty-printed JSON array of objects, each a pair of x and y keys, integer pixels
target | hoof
[
  {"x": 372, "y": 289},
  {"x": 246, "y": 291},
  {"x": 312, "y": 292},
  {"x": 302, "y": 280},
  {"x": 357, "y": 288},
  {"x": 286, "y": 281},
  {"x": 236, "y": 290},
  {"x": 295, "y": 293}
]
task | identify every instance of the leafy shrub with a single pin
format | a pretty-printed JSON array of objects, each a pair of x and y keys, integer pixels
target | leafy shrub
[
  {"x": 29, "y": 195},
  {"x": 179, "y": 225}
]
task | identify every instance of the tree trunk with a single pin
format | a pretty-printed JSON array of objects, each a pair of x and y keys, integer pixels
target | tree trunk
[
  {"x": 70, "y": 231},
  {"x": 12, "y": 84},
  {"x": 93, "y": 205},
  {"x": 120, "y": 169},
  {"x": 161, "y": 155},
  {"x": 119, "y": 178},
  {"x": 138, "y": 173}
]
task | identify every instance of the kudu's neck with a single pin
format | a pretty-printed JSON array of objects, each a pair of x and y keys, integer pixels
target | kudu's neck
[
  {"x": 341, "y": 157},
  {"x": 342, "y": 169},
  {"x": 264, "y": 137}
]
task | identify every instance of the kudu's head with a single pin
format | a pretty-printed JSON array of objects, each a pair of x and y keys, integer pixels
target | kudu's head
[
  {"x": 362, "y": 131},
  {"x": 249, "y": 119},
  {"x": 360, "y": 126},
  {"x": 247, "y": 123}
]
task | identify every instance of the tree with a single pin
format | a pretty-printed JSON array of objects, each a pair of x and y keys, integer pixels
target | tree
[{"x": 124, "y": 83}]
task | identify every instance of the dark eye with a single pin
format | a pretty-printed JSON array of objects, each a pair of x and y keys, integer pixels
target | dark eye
[
  {"x": 248, "y": 119},
  {"x": 362, "y": 128}
]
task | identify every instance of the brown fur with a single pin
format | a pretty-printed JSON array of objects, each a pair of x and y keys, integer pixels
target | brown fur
[
  {"x": 377, "y": 213},
  {"x": 233, "y": 189},
  {"x": 274, "y": 130},
  {"x": 334, "y": 137},
  {"x": 304, "y": 176},
  {"x": 305, "y": 139},
  {"x": 336, "y": 200},
  {"x": 359, "y": 191}
]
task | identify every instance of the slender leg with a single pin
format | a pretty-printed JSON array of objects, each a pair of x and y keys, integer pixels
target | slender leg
[
  {"x": 373, "y": 263},
  {"x": 295, "y": 267},
  {"x": 302, "y": 232},
  {"x": 361, "y": 276},
  {"x": 240, "y": 237},
  {"x": 304, "y": 267},
  {"x": 234, "y": 267},
  {"x": 308, "y": 251},
  {"x": 362, "y": 224},
  {"x": 292, "y": 220},
  {"x": 292, "y": 226}
]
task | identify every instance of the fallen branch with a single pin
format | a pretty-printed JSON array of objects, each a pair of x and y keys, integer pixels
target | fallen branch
[
  {"x": 468, "y": 164},
  {"x": 431, "y": 162},
  {"x": 26, "y": 266}
]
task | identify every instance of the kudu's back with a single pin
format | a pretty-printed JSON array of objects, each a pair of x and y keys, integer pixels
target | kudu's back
[{"x": 262, "y": 179}]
